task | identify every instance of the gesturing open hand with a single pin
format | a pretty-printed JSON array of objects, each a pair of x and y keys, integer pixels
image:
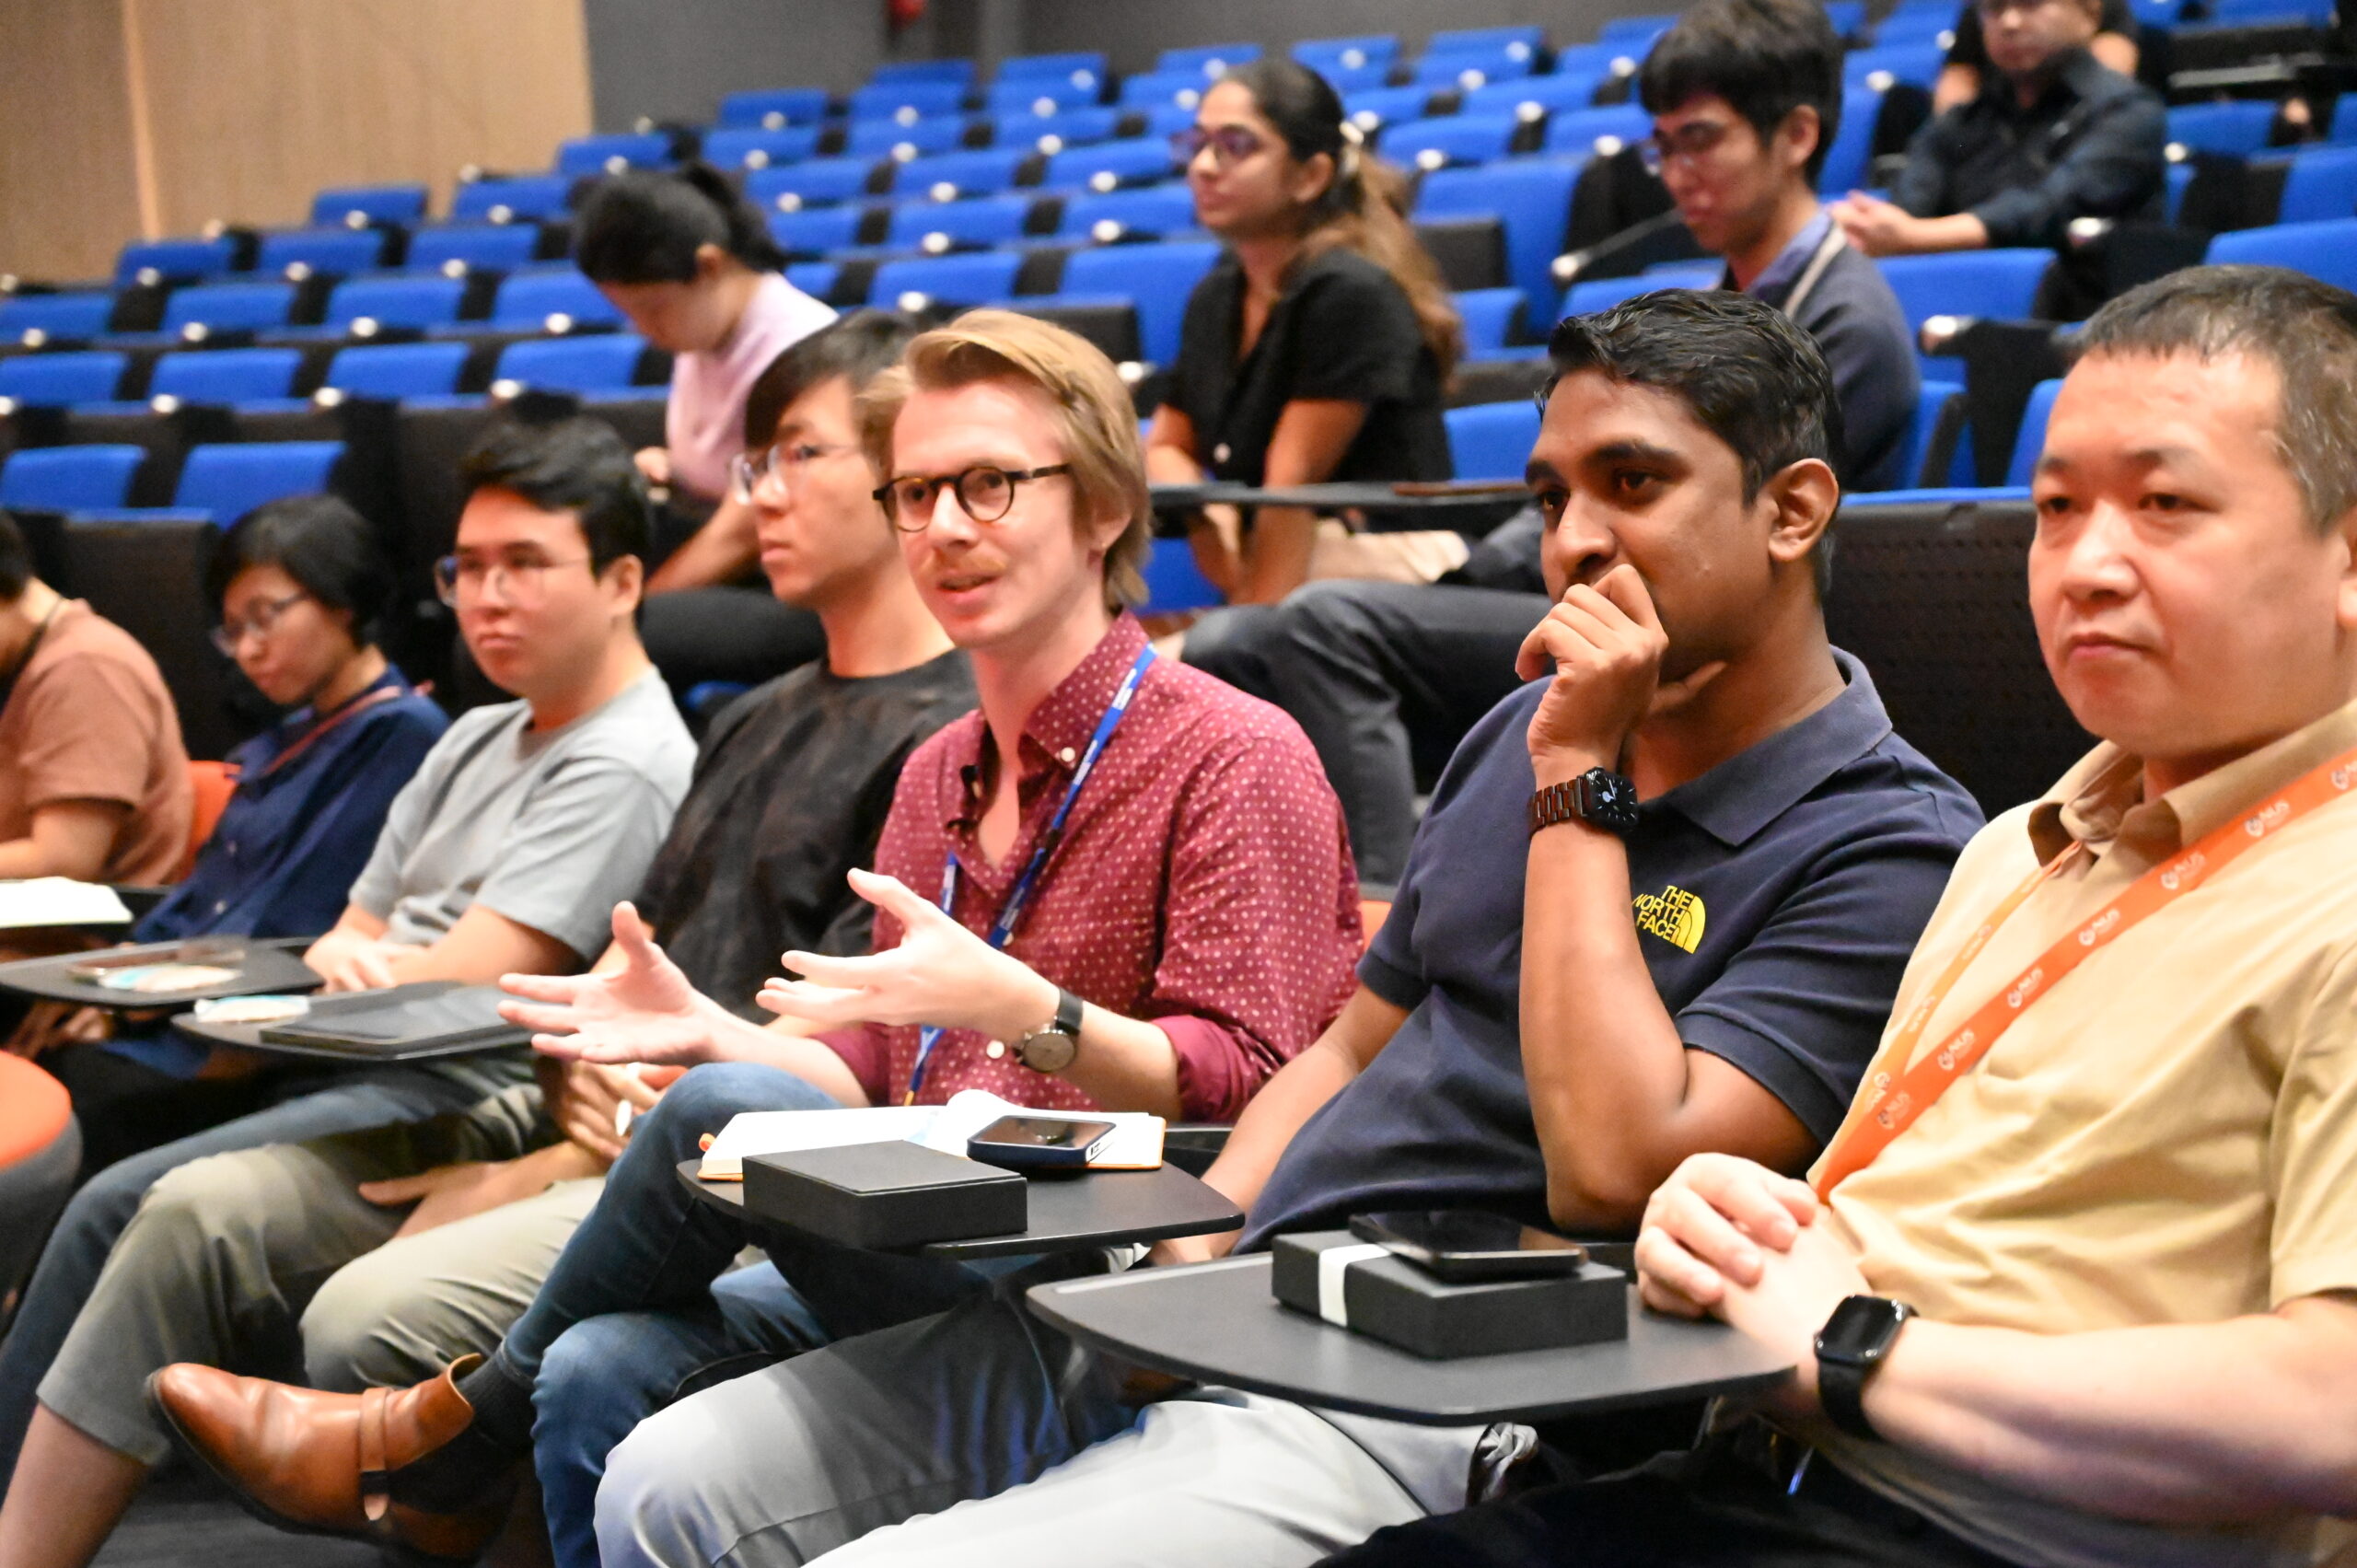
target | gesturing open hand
[
  {"x": 646, "y": 1011},
  {"x": 940, "y": 974}
]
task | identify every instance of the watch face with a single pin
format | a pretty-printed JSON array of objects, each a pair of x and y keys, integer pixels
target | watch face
[
  {"x": 1047, "y": 1052},
  {"x": 1611, "y": 799},
  {"x": 1860, "y": 1330}
]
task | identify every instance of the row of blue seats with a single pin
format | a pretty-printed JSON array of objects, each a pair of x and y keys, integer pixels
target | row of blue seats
[
  {"x": 92, "y": 380},
  {"x": 220, "y": 480},
  {"x": 560, "y": 299}
]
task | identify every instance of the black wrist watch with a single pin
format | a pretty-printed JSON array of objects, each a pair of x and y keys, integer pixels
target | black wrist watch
[
  {"x": 1599, "y": 796},
  {"x": 1050, "y": 1050},
  {"x": 1853, "y": 1344}
]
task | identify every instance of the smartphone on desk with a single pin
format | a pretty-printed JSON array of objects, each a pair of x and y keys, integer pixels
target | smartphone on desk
[
  {"x": 1465, "y": 1246},
  {"x": 1038, "y": 1142}
]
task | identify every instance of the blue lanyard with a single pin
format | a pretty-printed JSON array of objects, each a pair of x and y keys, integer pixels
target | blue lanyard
[{"x": 1002, "y": 930}]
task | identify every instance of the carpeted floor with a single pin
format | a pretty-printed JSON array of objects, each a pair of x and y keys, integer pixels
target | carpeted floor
[{"x": 182, "y": 1521}]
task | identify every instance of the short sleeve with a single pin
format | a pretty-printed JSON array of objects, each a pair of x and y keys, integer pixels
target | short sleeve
[
  {"x": 581, "y": 844},
  {"x": 378, "y": 887},
  {"x": 1354, "y": 338},
  {"x": 2313, "y": 1145},
  {"x": 1803, "y": 1007},
  {"x": 91, "y": 731}
]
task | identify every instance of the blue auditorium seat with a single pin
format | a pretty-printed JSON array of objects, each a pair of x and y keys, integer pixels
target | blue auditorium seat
[
  {"x": 226, "y": 375},
  {"x": 1069, "y": 127},
  {"x": 614, "y": 152},
  {"x": 1031, "y": 68},
  {"x": 399, "y": 370},
  {"x": 769, "y": 108},
  {"x": 1449, "y": 139},
  {"x": 1109, "y": 165},
  {"x": 2031, "y": 439},
  {"x": 1491, "y": 440},
  {"x": 885, "y": 101},
  {"x": 2327, "y": 251},
  {"x": 1531, "y": 199},
  {"x": 814, "y": 231},
  {"x": 1553, "y": 94},
  {"x": 947, "y": 176},
  {"x": 54, "y": 381},
  {"x": 1847, "y": 16},
  {"x": 1930, "y": 404},
  {"x": 811, "y": 183},
  {"x": 395, "y": 302},
  {"x": 1158, "y": 210},
  {"x": 231, "y": 307},
  {"x": 752, "y": 147},
  {"x": 230, "y": 479},
  {"x": 476, "y": 247},
  {"x": 1916, "y": 63},
  {"x": 173, "y": 261},
  {"x": 815, "y": 279},
  {"x": 68, "y": 479},
  {"x": 1173, "y": 581},
  {"x": 1583, "y": 131},
  {"x": 970, "y": 278},
  {"x": 1155, "y": 279},
  {"x": 603, "y": 362},
  {"x": 332, "y": 251},
  {"x": 1149, "y": 88},
  {"x": 527, "y": 300},
  {"x": 1999, "y": 284},
  {"x": 2246, "y": 13},
  {"x": 890, "y": 138},
  {"x": 1602, "y": 294},
  {"x": 2321, "y": 185},
  {"x": 1853, "y": 140},
  {"x": 1633, "y": 32},
  {"x": 1916, "y": 25},
  {"x": 1375, "y": 107},
  {"x": 348, "y": 206},
  {"x": 2238, "y": 129},
  {"x": 516, "y": 199},
  {"x": 1470, "y": 70},
  {"x": 61, "y": 316},
  {"x": 1329, "y": 55},
  {"x": 1493, "y": 317},
  {"x": 1461, "y": 40},
  {"x": 2344, "y": 120},
  {"x": 1345, "y": 81},
  {"x": 1025, "y": 95},
  {"x": 984, "y": 220},
  {"x": 1208, "y": 60}
]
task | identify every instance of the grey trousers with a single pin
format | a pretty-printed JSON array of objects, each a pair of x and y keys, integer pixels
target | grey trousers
[
  {"x": 983, "y": 1437},
  {"x": 269, "y": 1261}
]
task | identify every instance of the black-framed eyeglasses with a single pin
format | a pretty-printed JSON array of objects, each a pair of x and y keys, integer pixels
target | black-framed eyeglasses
[
  {"x": 985, "y": 491},
  {"x": 1688, "y": 143},
  {"x": 1229, "y": 144},
  {"x": 231, "y": 635}
]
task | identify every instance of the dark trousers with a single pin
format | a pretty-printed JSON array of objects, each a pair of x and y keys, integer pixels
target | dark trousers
[
  {"x": 1385, "y": 678},
  {"x": 1710, "y": 1508}
]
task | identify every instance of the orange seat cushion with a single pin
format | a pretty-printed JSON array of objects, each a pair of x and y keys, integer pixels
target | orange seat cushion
[
  {"x": 1372, "y": 914},
  {"x": 34, "y": 1109}
]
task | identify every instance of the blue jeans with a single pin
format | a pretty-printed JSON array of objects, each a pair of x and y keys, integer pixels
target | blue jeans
[
  {"x": 86, "y": 1233},
  {"x": 640, "y": 1308}
]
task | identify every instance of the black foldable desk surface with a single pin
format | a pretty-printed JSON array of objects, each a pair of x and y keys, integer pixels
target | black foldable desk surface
[
  {"x": 271, "y": 965},
  {"x": 1099, "y": 1209},
  {"x": 248, "y": 1037},
  {"x": 1217, "y": 1322}
]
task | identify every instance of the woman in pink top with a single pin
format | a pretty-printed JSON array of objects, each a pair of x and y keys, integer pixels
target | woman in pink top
[{"x": 689, "y": 262}]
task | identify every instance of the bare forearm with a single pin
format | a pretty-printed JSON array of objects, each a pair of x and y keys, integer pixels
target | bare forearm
[
  {"x": 739, "y": 1039},
  {"x": 1296, "y": 1092},
  {"x": 1276, "y": 554},
  {"x": 1125, "y": 1065},
  {"x": 2186, "y": 1425},
  {"x": 722, "y": 549},
  {"x": 1957, "y": 231}
]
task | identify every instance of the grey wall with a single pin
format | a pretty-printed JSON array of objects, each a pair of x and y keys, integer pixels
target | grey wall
[{"x": 674, "y": 59}]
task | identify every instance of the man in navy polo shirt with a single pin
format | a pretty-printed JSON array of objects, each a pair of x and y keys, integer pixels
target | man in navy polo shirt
[{"x": 1568, "y": 998}]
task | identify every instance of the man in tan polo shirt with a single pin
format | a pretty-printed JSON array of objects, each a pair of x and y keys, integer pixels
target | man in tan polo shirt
[
  {"x": 93, "y": 777},
  {"x": 2107, "y": 1155}
]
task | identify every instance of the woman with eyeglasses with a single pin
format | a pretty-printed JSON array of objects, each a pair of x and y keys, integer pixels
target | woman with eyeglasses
[
  {"x": 1318, "y": 347},
  {"x": 302, "y": 584},
  {"x": 690, "y": 263}
]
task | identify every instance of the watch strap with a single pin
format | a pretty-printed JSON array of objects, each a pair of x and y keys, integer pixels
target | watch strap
[
  {"x": 1068, "y": 1014},
  {"x": 1842, "y": 1390}
]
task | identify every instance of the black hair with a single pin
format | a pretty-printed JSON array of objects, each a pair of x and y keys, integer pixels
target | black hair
[
  {"x": 859, "y": 348},
  {"x": 324, "y": 545},
  {"x": 647, "y": 226},
  {"x": 574, "y": 465},
  {"x": 1749, "y": 375},
  {"x": 1765, "y": 57},
  {"x": 15, "y": 559}
]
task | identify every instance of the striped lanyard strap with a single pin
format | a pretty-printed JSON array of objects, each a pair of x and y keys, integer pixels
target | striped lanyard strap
[{"x": 1010, "y": 913}]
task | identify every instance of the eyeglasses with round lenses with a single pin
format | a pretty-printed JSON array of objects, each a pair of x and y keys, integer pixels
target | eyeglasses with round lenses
[
  {"x": 519, "y": 581},
  {"x": 787, "y": 463},
  {"x": 259, "y": 622},
  {"x": 1689, "y": 145},
  {"x": 1230, "y": 145},
  {"x": 985, "y": 491}
]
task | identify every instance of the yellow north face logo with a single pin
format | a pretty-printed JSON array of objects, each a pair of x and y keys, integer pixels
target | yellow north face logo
[{"x": 1673, "y": 914}]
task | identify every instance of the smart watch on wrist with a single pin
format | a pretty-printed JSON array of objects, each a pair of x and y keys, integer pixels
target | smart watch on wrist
[
  {"x": 1599, "y": 796},
  {"x": 1050, "y": 1050},
  {"x": 1853, "y": 1344}
]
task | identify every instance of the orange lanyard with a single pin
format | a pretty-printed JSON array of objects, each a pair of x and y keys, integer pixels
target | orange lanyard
[{"x": 1898, "y": 1102}]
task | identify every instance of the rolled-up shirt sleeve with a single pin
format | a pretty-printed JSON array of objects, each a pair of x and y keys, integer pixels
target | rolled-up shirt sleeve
[
  {"x": 2110, "y": 171},
  {"x": 868, "y": 1055}
]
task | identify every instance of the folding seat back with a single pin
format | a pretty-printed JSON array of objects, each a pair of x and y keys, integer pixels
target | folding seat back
[
  {"x": 226, "y": 375},
  {"x": 147, "y": 574},
  {"x": 1053, "y": 133},
  {"x": 947, "y": 176},
  {"x": 1847, "y": 16},
  {"x": 1491, "y": 440},
  {"x": 983, "y": 220},
  {"x": 1915, "y": 63},
  {"x": 771, "y": 108},
  {"x": 2029, "y": 441},
  {"x": 1633, "y": 32},
  {"x": 2237, "y": 129},
  {"x": 1158, "y": 209},
  {"x": 814, "y": 231},
  {"x": 1208, "y": 60},
  {"x": 2344, "y": 120},
  {"x": 230, "y": 479},
  {"x": 1173, "y": 581},
  {"x": 399, "y": 370},
  {"x": 890, "y": 138},
  {"x": 1931, "y": 405},
  {"x": 603, "y": 362},
  {"x": 1853, "y": 140},
  {"x": 519, "y": 199},
  {"x": 332, "y": 251},
  {"x": 1493, "y": 317},
  {"x": 173, "y": 261},
  {"x": 613, "y": 152},
  {"x": 1156, "y": 278},
  {"x": 1371, "y": 108},
  {"x": 1148, "y": 89},
  {"x": 1531, "y": 199},
  {"x": 1991, "y": 284},
  {"x": 355, "y": 206},
  {"x": 1450, "y": 139},
  {"x": 474, "y": 246},
  {"x": 395, "y": 302},
  {"x": 1602, "y": 294},
  {"x": 67, "y": 316},
  {"x": 54, "y": 381},
  {"x": 974, "y": 278},
  {"x": 1109, "y": 165},
  {"x": 813, "y": 182},
  {"x": 2327, "y": 251},
  {"x": 2321, "y": 185},
  {"x": 1042, "y": 96},
  {"x": 231, "y": 307},
  {"x": 1459, "y": 41},
  {"x": 909, "y": 101},
  {"x": 1471, "y": 71},
  {"x": 1327, "y": 55},
  {"x": 752, "y": 147},
  {"x": 1029, "y": 67},
  {"x": 1528, "y": 97},
  {"x": 815, "y": 279},
  {"x": 68, "y": 479},
  {"x": 1585, "y": 133},
  {"x": 527, "y": 300}
]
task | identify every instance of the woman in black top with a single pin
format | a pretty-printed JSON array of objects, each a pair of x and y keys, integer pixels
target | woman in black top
[{"x": 1319, "y": 346}]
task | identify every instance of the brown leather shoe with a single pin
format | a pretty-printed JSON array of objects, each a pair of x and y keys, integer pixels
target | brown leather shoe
[{"x": 323, "y": 1464}]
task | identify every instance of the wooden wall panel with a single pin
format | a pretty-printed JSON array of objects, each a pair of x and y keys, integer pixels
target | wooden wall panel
[{"x": 68, "y": 195}]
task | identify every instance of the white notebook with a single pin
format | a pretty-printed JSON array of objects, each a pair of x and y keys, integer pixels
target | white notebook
[
  {"x": 1136, "y": 1142},
  {"x": 60, "y": 901}
]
